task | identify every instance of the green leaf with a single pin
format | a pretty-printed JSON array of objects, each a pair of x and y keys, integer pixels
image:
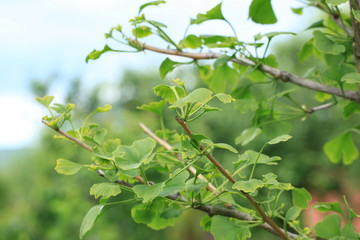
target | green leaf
[
  {"x": 300, "y": 197},
  {"x": 328, "y": 207},
  {"x": 66, "y": 167},
  {"x": 282, "y": 138},
  {"x": 341, "y": 147},
  {"x": 131, "y": 157},
  {"x": 306, "y": 51},
  {"x": 356, "y": 14},
  {"x": 95, "y": 54},
  {"x": 106, "y": 108},
  {"x": 248, "y": 186},
  {"x": 155, "y": 107},
  {"x": 262, "y": 12},
  {"x": 225, "y": 146},
  {"x": 326, "y": 45},
  {"x": 168, "y": 66},
  {"x": 89, "y": 219},
  {"x": 270, "y": 182},
  {"x": 292, "y": 214},
  {"x": 46, "y": 100},
  {"x": 336, "y": 2},
  {"x": 297, "y": 11},
  {"x": 222, "y": 78},
  {"x": 225, "y": 98},
  {"x": 105, "y": 190},
  {"x": 351, "y": 78},
  {"x": 142, "y": 31},
  {"x": 223, "y": 59},
  {"x": 154, "y": 3},
  {"x": 248, "y": 135},
  {"x": 175, "y": 184},
  {"x": 329, "y": 227},
  {"x": 350, "y": 109},
  {"x": 150, "y": 213},
  {"x": 169, "y": 93},
  {"x": 214, "y": 13},
  {"x": 198, "y": 97},
  {"x": 191, "y": 41},
  {"x": 336, "y": 71},
  {"x": 148, "y": 193},
  {"x": 171, "y": 213},
  {"x": 223, "y": 228},
  {"x": 250, "y": 156},
  {"x": 99, "y": 135}
]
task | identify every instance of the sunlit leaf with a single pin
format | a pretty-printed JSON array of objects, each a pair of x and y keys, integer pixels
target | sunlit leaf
[
  {"x": 169, "y": 93},
  {"x": 155, "y": 107},
  {"x": 197, "y": 97},
  {"x": 175, "y": 185},
  {"x": 106, "y": 108},
  {"x": 225, "y": 98},
  {"x": 105, "y": 190},
  {"x": 214, "y": 13},
  {"x": 131, "y": 157},
  {"x": 248, "y": 186},
  {"x": 142, "y": 31},
  {"x": 336, "y": 2},
  {"x": 297, "y": 11},
  {"x": 356, "y": 14},
  {"x": 67, "y": 167},
  {"x": 282, "y": 138},
  {"x": 154, "y": 3},
  {"x": 191, "y": 41},
  {"x": 148, "y": 193},
  {"x": 46, "y": 100},
  {"x": 168, "y": 66}
]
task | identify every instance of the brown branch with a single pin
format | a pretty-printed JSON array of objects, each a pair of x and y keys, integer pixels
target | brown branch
[
  {"x": 355, "y": 4},
  {"x": 320, "y": 107},
  {"x": 234, "y": 213},
  {"x": 84, "y": 145},
  {"x": 264, "y": 216},
  {"x": 274, "y": 72}
]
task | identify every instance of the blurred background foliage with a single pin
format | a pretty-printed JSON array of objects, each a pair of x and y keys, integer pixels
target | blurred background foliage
[{"x": 37, "y": 203}]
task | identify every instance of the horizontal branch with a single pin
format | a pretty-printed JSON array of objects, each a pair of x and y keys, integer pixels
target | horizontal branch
[
  {"x": 234, "y": 213},
  {"x": 274, "y": 72}
]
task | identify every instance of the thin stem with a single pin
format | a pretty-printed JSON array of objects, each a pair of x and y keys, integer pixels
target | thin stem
[{"x": 256, "y": 160}]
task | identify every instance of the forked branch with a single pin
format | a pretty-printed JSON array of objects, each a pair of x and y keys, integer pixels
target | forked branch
[{"x": 274, "y": 72}]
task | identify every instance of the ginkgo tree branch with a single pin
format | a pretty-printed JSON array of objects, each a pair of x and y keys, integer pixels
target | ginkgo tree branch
[
  {"x": 263, "y": 214},
  {"x": 85, "y": 146},
  {"x": 210, "y": 210},
  {"x": 229, "y": 211},
  {"x": 274, "y": 72}
]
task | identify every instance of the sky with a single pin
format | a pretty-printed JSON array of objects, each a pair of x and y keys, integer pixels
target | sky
[{"x": 39, "y": 38}]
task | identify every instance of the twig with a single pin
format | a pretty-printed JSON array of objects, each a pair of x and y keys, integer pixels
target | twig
[
  {"x": 264, "y": 216},
  {"x": 320, "y": 107},
  {"x": 84, "y": 145},
  {"x": 167, "y": 146},
  {"x": 274, "y": 72}
]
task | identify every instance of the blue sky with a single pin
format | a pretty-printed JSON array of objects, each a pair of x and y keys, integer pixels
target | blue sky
[{"x": 41, "y": 37}]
